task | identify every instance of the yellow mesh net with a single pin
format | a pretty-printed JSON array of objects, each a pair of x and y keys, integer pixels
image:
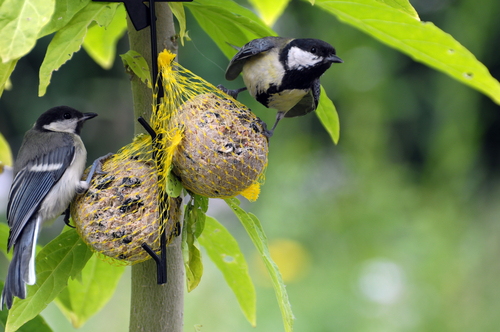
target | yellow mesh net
[
  {"x": 120, "y": 210},
  {"x": 213, "y": 143}
]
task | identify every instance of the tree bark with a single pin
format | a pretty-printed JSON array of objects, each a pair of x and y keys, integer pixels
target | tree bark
[{"x": 155, "y": 308}]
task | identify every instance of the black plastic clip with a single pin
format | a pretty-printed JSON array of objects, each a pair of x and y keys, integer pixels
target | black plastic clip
[{"x": 161, "y": 262}]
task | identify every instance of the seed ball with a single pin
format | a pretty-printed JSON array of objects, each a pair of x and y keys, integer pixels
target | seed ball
[
  {"x": 119, "y": 212},
  {"x": 223, "y": 150}
]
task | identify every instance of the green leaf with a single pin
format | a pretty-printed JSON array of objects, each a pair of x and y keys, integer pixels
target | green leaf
[
  {"x": 20, "y": 23},
  {"x": 62, "y": 258},
  {"x": 69, "y": 39},
  {"x": 193, "y": 217},
  {"x": 224, "y": 251},
  {"x": 63, "y": 13},
  {"x": 328, "y": 116},
  {"x": 137, "y": 64},
  {"x": 4, "y": 236},
  {"x": 270, "y": 11},
  {"x": 201, "y": 202},
  {"x": 194, "y": 264},
  {"x": 5, "y": 154},
  {"x": 178, "y": 10},
  {"x": 5, "y": 70},
  {"x": 37, "y": 324},
  {"x": 227, "y": 22},
  {"x": 174, "y": 185},
  {"x": 422, "y": 41},
  {"x": 100, "y": 42},
  {"x": 402, "y": 5},
  {"x": 259, "y": 239},
  {"x": 84, "y": 298}
]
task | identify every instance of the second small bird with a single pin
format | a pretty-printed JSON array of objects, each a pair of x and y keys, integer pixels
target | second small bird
[{"x": 282, "y": 73}]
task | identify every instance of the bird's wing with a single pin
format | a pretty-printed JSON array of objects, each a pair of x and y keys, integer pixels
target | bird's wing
[
  {"x": 31, "y": 185},
  {"x": 254, "y": 47},
  {"x": 307, "y": 104}
]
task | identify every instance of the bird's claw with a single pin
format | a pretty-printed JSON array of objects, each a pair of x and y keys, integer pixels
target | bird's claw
[
  {"x": 266, "y": 132},
  {"x": 97, "y": 167},
  {"x": 67, "y": 214},
  {"x": 233, "y": 93}
]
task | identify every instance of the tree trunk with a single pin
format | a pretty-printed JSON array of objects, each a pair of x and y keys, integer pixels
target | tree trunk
[{"x": 155, "y": 308}]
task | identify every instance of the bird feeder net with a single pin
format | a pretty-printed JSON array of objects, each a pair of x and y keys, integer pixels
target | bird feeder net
[
  {"x": 120, "y": 211},
  {"x": 215, "y": 146}
]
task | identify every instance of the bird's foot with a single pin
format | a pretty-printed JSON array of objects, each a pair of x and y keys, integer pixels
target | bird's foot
[
  {"x": 67, "y": 215},
  {"x": 266, "y": 132},
  {"x": 97, "y": 167},
  {"x": 232, "y": 93},
  {"x": 279, "y": 116}
]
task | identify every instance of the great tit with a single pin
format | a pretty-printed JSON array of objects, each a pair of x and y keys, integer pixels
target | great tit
[
  {"x": 47, "y": 174},
  {"x": 282, "y": 73}
]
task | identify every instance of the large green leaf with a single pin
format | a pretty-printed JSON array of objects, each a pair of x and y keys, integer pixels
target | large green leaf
[
  {"x": 69, "y": 39},
  {"x": 422, "y": 41},
  {"x": 100, "y": 42},
  {"x": 224, "y": 251},
  {"x": 270, "y": 11},
  {"x": 5, "y": 70},
  {"x": 63, "y": 13},
  {"x": 37, "y": 324},
  {"x": 227, "y": 22},
  {"x": 20, "y": 23},
  {"x": 328, "y": 116},
  {"x": 84, "y": 298},
  {"x": 254, "y": 229},
  {"x": 62, "y": 258}
]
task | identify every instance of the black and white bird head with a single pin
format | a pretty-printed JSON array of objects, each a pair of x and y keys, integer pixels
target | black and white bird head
[
  {"x": 309, "y": 55},
  {"x": 63, "y": 119}
]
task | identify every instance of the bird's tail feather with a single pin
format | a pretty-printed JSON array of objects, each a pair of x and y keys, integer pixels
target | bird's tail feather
[{"x": 22, "y": 267}]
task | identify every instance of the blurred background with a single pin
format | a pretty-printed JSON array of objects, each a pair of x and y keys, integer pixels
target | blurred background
[{"x": 394, "y": 229}]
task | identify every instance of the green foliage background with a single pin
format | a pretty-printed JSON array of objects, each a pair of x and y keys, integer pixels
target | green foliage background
[{"x": 399, "y": 220}]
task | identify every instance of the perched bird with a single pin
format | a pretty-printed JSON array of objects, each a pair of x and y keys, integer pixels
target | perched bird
[
  {"x": 47, "y": 173},
  {"x": 282, "y": 73}
]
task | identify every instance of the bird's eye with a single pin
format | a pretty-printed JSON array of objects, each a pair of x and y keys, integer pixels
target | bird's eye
[
  {"x": 313, "y": 49},
  {"x": 67, "y": 116}
]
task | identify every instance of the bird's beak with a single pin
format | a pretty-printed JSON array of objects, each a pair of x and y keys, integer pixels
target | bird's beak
[
  {"x": 334, "y": 58},
  {"x": 88, "y": 116}
]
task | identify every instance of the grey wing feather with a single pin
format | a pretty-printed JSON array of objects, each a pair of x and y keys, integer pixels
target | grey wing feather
[
  {"x": 30, "y": 188},
  {"x": 307, "y": 104},
  {"x": 250, "y": 49}
]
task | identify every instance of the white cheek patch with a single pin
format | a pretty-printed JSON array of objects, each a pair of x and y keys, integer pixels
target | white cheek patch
[
  {"x": 300, "y": 59},
  {"x": 45, "y": 168},
  {"x": 67, "y": 126}
]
